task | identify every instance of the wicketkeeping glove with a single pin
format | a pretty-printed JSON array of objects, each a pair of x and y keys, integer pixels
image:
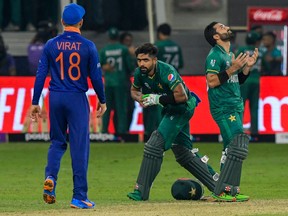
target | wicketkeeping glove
[{"x": 150, "y": 99}]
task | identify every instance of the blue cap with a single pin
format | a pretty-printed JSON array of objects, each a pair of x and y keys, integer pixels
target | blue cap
[{"x": 72, "y": 14}]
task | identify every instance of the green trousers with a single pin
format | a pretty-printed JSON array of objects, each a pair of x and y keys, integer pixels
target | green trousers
[
  {"x": 230, "y": 124},
  {"x": 116, "y": 99},
  {"x": 250, "y": 91},
  {"x": 151, "y": 119},
  {"x": 175, "y": 128}
]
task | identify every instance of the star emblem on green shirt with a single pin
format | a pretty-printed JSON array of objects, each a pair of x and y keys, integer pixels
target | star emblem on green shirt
[{"x": 232, "y": 118}]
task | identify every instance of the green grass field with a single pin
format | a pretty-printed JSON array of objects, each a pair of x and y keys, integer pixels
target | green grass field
[{"x": 113, "y": 169}]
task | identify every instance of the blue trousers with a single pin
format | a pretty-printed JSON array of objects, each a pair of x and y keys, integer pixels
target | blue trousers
[{"x": 69, "y": 110}]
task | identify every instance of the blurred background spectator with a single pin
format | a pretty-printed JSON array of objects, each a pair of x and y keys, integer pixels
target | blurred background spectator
[
  {"x": 126, "y": 38},
  {"x": 250, "y": 90},
  {"x": 117, "y": 66},
  {"x": 272, "y": 57},
  {"x": 45, "y": 31},
  {"x": 258, "y": 28},
  {"x": 7, "y": 62},
  {"x": 168, "y": 50}
]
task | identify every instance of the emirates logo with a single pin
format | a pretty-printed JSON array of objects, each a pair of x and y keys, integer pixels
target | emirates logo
[{"x": 272, "y": 15}]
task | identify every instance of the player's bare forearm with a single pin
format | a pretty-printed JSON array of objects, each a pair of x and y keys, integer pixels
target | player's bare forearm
[
  {"x": 246, "y": 70},
  {"x": 212, "y": 80},
  {"x": 179, "y": 93},
  {"x": 136, "y": 94}
]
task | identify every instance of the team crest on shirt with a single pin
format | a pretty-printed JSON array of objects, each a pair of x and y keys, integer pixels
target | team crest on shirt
[
  {"x": 171, "y": 77},
  {"x": 227, "y": 63},
  {"x": 212, "y": 62}
]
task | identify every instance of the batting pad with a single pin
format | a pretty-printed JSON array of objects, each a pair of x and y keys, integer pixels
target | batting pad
[
  {"x": 151, "y": 163},
  {"x": 230, "y": 176},
  {"x": 194, "y": 165}
]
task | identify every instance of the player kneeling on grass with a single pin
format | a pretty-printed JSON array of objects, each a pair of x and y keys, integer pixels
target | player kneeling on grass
[{"x": 163, "y": 86}]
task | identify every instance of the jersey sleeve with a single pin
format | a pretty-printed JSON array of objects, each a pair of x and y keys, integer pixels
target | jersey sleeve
[
  {"x": 171, "y": 78},
  {"x": 96, "y": 74},
  {"x": 213, "y": 64},
  {"x": 137, "y": 83},
  {"x": 41, "y": 74}
]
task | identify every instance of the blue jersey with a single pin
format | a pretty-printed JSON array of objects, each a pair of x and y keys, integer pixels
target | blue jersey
[{"x": 70, "y": 59}]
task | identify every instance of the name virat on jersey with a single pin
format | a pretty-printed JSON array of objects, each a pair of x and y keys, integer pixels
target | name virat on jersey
[{"x": 68, "y": 45}]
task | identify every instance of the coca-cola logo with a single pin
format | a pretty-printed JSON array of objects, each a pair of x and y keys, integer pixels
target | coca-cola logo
[{"x": 273, "y": 15}]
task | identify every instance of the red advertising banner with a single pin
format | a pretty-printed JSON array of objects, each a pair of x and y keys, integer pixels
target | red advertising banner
[
  {"x": 16, "y": 95},
  {"x": 264, "y": 15}
]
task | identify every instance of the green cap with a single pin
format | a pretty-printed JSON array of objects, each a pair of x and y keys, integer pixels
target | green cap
[
  {"x": 187, "y": 189},
  {"x": 252, "y": 37},
  {"x": 113, "y": 33}
]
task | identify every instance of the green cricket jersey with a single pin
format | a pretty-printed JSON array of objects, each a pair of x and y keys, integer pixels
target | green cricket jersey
[
  {"x": 272, "y": 68},
  {"x": 170, "y": 52},
  {"x": 227, "y": 96},
  {"x": 162, "y": 82},
  {"x": 118, "y": 56}
]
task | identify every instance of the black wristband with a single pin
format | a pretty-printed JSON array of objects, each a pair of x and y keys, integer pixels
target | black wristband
[
  {"x": 223, "y": 77},
  {"x": 242, "y": 77},
  {"x": 167, "y": 99}
]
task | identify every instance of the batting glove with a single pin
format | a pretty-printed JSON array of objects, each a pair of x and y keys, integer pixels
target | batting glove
[{"x": 150, "y": 99}]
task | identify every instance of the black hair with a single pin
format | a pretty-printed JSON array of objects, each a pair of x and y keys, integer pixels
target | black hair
[
  {"x": 124, "y": 35},
  {"x": 45, "y": 31},
  {"x": 209, "y": 32},
  {"x": 271, "y": 34},
  {"x": 164, "y": 28},
  {"x": 255, "y": 27},
  {"x": 147, "y": 48}
]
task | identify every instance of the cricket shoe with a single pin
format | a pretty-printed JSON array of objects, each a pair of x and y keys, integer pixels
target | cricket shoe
[
  {"x": 241, "y": 198},
  {"x": 82, "y": 204},
  {"x": 223, "y": 197},
  {"x": 136, "y": 195},
  {"x": 49, "y": 195}
]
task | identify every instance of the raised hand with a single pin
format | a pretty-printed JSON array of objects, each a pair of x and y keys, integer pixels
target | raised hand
[
  {"x": 253, "y": 58},
  {"x": 237, "y": 63}
]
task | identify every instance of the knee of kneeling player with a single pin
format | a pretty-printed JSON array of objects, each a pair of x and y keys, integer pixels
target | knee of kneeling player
[{"x": 155, "y": 145}]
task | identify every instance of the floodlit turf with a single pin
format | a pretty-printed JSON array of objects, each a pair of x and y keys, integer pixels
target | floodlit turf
[{"x": 113, "y": 169}]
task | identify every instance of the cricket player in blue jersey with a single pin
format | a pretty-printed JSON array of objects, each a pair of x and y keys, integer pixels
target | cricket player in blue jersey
[{"x": 70, "y": 59}]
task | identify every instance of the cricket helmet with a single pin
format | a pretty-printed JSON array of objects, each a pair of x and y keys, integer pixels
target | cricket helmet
[{"x": 187, "y": 189}]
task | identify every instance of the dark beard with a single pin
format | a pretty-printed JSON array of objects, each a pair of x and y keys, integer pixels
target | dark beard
[
  {"x": 145, "y": 70},
  {"x": 227, "y": 36}
]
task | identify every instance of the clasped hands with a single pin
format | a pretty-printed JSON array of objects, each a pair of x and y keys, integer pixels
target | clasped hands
[{"x": 244, "y": 59}]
